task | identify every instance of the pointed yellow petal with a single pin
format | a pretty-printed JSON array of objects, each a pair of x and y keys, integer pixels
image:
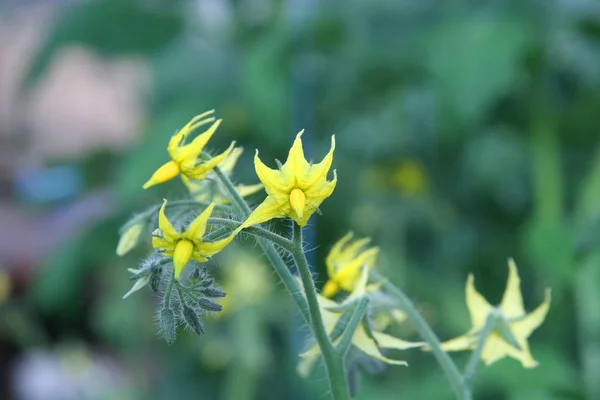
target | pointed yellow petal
[
  {"x": 197, "y": 228},
  {"x": 494, "y": 349},
  {"x": 272, "y": 179},
  {"x": 164, "y": 224},
  {"x": 180, "y": 136},
  {"x": 228, "y": 163},
  {"x": 266, "y": 211},
  {"x": 349, "y": 274},
  {"x": 361, "y": 287},
  {"x": 318, "y": 172},
  {"x": 465, "y": 342},
  {"x": 192, "y": 150},
  {"x": 209, "y": 249},
  {"x": 364, "y": 343},
  {"x": 298, "y": 202},
  {"x": 296, "y": 167},
  {"x": 523, "y": 355},
  {"x": 162, "y": 243},
  {"x": 181, "y": 256},
  {"x": 512, "y": 301},
  {"x": 334, "y": 253},
  {"x": 330, "y": 288},
  {"x": 354, "y": 248},
  {"x": 318, "y": 193},
  {"x": 523, "y": 328},
  {"x": 478, "y": 306},
  {"x": 199, "y": 171},
  {"x": 165, "y": 173},
  {"x": 247, "y": 190},
  {"x": 385, "y": 341}
]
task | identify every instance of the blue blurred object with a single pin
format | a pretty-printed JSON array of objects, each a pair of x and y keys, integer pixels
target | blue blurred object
[{"x": 45, "y": 185}]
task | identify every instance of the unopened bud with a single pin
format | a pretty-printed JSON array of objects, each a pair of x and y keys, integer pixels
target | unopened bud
[
  {"x": 129, "y": 238},
  {"x": 155, "y": 279},
  {"x": 213, "y": 292},
  {"x": 192, "y": 319},
  {"x": 208, "y": 305},
  {"x": 166, "y": 321}
]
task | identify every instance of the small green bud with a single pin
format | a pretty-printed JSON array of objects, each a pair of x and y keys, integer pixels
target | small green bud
[
  {"x": 192, "y": 319},
  {"x": 207, "y": 282},
  {"x": 196, "y": 274},
  {"x": 155, "y": 279},
  {"x": 166, "y": 321},
  {"x": 208, "y": 305},
  {"x": 213, "y": 292},
  {"x": 129, "y": 238},
  {"x": 140, "y": 283}
]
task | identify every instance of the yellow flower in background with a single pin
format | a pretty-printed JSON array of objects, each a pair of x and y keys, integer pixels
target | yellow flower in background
[
  {"x": 5, "y": 286},
  {"x": 189, "y": 243},
  {"x": 511, "y": 308},
  {"x": 129, "y": 238},
  {"x": 297, "y": 189},
  {"x": 345, "y": 262},
  {"x": 361, "y": 340},
  {"x": 410, "y": 177},
  {"x": 184, "y": 157},
  {"x": 207, "y": 189}
]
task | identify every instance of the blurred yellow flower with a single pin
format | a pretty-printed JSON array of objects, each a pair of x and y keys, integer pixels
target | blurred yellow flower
[
  {"x": 4, "y": 286},
  {"x": 184, "y": 157},
  {"x": 344, "y": 264},
  {"x": 361, "y": 339},
  {"x": 410, "y": 177},
  {"x": 129, "y": 238},
  {"x": 207, "y": 189},
  {"x": 189, "y": 243},
  {"x": 511, "y": 308},
  {"x": 297, "y": 189}
]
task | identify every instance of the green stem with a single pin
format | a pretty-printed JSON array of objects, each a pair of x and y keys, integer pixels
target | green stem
[
  {"x": 471, "y": 368},
  {"x": 334, "y": 363},
  {"x": 168, "y": 292},
  {"x": 273, "y": 256},
  {"x": 255, "y": 231},
  {"x": 448, "y": 366},
  {"x": 357, "y": 316}
]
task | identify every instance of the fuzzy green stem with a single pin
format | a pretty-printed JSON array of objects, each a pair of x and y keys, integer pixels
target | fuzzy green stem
[
  {"x": 357, "y": 316},
  {"x": 168, "y": 292},
  {"x": 471, "y": 368},
  {"x": 334, "y": 362},
  {"x": 271, "y": 252},
  {"x": 255, "y": 231},
  {"x": 448, "y": 366}
]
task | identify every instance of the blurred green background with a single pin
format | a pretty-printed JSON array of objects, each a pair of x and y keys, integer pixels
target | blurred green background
[{"x": 467, "y": 132}]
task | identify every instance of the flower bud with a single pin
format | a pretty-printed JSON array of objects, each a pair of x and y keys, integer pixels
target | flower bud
[
  {"x": 192, "y": 320},
  {"x": 166, "y": 322},
  {"x": 129, "y": 238}
]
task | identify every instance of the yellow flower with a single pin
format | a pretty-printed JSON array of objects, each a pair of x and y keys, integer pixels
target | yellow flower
[
  {"x": 361, "y": 339},
  {"x": 297, "y": 189},
  {"x": 187, "y": 244},
  {"x": 511, "y": 308},
  {"x": 129, "y": 239},
  {"x": 344, "y": 264},
  {"x": 208, "y": 190},
  {"x": 184, "y": 157}
]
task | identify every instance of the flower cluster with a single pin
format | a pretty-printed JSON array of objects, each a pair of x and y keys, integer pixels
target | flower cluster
[{"x": 349, "y": 313}]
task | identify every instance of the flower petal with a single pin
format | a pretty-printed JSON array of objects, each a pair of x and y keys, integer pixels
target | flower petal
[
  {"x": 197, "y": 228},
  {"x": 247, "y": 190},
  {"x": 266, "y": 211},
  {"x": 318, "y": 172},
  {"x": 273, "y": 180},
  {"x": 165, "y": 173},
  {"x": 362, "y": 341},
  {"x": 478, "y": 306},
  {"x": 296, "y": 167},
  {"x": 512, "y": 300},
  {"x": 318, "y": 193},
  {"x": 182, "y": 254},
  {"x": 465, "y": 342},
  {"x": 179, "y": 137},
  {"x": 209, "y": 249},
  {"x": 386, "y": 341},
  {"x": 192, "y": 150},
  {"x": 524, "y": 327},
  {"x": 200, "y": 171},
  {"x": 494, "y": 349},
  {"x": 162, "y": 243},
  {"x": 229, "y": 162},
  {"x": 165, "y": 225}
]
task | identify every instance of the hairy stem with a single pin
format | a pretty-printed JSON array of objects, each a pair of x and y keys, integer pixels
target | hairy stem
[
  {"x": 471, "y": 368},
  {"x": 274, "y": 257},
  {"x": 334, "y": 363},
  {"x": 448, "y": 366}
]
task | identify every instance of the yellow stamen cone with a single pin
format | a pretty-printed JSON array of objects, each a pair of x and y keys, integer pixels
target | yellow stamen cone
[
  {"x": 181, "y": 255},
  {"x": 298, "y": 202}
]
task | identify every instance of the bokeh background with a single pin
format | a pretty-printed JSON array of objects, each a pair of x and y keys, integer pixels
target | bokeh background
[{"x": 467, "y": 132}]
